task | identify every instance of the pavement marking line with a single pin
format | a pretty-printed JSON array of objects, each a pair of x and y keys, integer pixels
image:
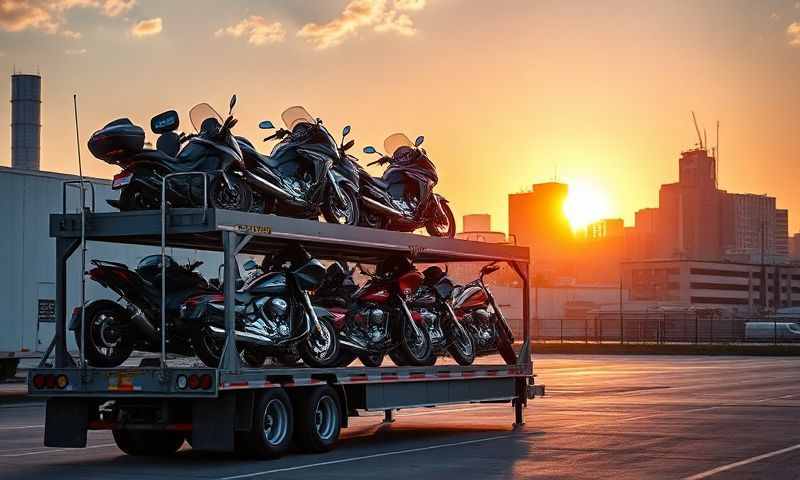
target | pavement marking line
[
  {"x": 366, "y": 457},
  {"x": 55, "y": 450},
  {"x": 741, "y": 463},
  {"x": 21, "y": 427}
]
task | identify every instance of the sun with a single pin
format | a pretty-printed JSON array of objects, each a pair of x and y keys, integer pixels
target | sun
[{"x": 585, "y": 204}]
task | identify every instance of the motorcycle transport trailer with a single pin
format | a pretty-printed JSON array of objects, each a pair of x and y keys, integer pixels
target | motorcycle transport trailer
[{"x": 225, "y": 409}]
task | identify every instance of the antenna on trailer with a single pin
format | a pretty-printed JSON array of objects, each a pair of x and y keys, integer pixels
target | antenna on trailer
[
  {"x": 705, "y": 137},
  {"x": 83, "y": 234},
  {"x": 697, "y": 129}
]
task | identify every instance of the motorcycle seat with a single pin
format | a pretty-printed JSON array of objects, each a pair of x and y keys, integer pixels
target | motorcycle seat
[{"x": 155, "y": 156}]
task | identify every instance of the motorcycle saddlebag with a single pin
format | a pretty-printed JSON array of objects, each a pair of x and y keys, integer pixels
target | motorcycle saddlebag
[{"x": 117, "y": 141}]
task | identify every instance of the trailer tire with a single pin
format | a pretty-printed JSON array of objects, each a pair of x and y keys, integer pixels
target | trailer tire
[
  {"x": 273, "y": 425},
  {"x": 318, "y": 419},
  {"x": 151, "y": 443},
  {"x": 8, "y": 369}
]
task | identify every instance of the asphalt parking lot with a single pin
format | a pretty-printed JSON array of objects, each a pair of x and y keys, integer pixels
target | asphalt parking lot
[{"x": 621, "y": 417}]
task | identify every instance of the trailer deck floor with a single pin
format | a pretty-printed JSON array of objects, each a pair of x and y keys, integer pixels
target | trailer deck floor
[{"x": 604, "y": 417}]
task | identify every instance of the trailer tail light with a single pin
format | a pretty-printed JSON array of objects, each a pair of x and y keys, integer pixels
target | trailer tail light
[
  {"x": 194, "y": 381},
  {"x": 50, "y": 381},
  {"x": 62, "y": 381},
  {"x": 38, "y": 381},
  {"x": 205, "y": 381}
]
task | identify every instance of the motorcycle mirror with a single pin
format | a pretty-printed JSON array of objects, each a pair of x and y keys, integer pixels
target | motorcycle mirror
[
  {"x": 419, "y": 141},
  {"x": 348, "y": 145},
  {"x": 232, "y": 104},
  {"x": 250, "y": 265},
  {"x": 345, "y": 131},
  {"x": 370, "y": 149},
  {"x": 266, "y": 125}
]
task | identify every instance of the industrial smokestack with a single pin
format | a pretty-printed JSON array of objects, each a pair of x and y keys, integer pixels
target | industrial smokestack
[{"x": 26, "y": 125}]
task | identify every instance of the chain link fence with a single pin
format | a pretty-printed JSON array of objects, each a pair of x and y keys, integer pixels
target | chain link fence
[{"x": 660, "y": 328}]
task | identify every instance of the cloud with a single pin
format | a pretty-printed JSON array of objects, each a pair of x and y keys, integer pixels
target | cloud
[
  {"x": 400, "y": 24},
  {"x": 113, "y": 8},
  {"x": 77, "y": 51},
  {"x": 409, "y": 5},
  {"x": 793, "y": 31},
  {"x": 359, "y": 14},
  {"x": 48, "y": 15},
  {"x": 147, "y": 28},
  {"x": 257, "y": 29},
  {"x": 71, "y": 35}
]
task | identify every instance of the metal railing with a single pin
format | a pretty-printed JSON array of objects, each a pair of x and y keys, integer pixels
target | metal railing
[
  {"x": 164, "y": 180},
  {"x": 652, "y": 328}
]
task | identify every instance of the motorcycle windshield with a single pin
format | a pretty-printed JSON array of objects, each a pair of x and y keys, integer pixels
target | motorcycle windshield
[
  {"x": 202, "y": 112},
  {"x": 293, "y": 116},
  {"x": 395, "y": 141}
]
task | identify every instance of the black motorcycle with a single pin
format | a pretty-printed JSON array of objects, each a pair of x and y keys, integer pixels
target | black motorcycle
[
  {"x": 448, "y": 336},
  {"x": 274, "y": 315},
  {"x": 307, "y": 172},
  {"x": 403, "y": 199},
  {"x": 212, "y": 150},
  {"x": 114, "y": 330},
  {"x": 479, "y": 313}
]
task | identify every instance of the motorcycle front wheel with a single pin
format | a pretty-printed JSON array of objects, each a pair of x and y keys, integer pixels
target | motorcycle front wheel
[
  {"x": 371, "y": 359},
  {"x": 462, "y": 345},
  {"x": 238, "y": 196},
  {"x": 321, "y": 349},
  {"x": 415, "y": 348},
  {"x": 343, "y": 210},
  {"x": 442, "y": 226}
]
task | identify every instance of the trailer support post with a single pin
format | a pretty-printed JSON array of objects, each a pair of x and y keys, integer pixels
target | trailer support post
[
  {"x": 521, "y": 385},
  {"x": 388, "y": 416},
  {"x": 64, "y": 248},
  {"x": 230, "y": 357}
]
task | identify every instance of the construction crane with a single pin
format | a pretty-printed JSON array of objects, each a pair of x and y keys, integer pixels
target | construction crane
[{"x": 697, "y": 129}]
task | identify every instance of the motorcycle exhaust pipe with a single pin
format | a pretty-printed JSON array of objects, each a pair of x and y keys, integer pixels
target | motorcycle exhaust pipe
[
  {"x": 242, "y": 337},
  {"x": 267, "y": 186},
  {"x": 374, "y": 204},
  {"x": 350, "y": 344},
  {"x": 140, "y": 321}
]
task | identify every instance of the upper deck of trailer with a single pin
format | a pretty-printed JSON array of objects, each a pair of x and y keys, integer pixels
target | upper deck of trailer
[{"x": 201, "y": 229}]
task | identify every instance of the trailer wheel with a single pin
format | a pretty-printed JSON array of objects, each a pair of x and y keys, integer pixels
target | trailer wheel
[
  {"x": 318, "y": 419},
  {"x": 150, "y": 443},
  {"x": 8, "y": 369},
  {"x": 273, "y": 425}
]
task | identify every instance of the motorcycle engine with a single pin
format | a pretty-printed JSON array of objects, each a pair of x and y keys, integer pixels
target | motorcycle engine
[
  {"x": 432, "y": 321},
  {"x": 275, "y": 316},
  {"x": 372, "y": 324},
  {"x": 483, "y": 326}
]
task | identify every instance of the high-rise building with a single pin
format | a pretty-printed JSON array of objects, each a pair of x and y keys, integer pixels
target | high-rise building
[
  {"x": 782, "y": 232},
  {"x": 26, "y": 126},
  {"x": 752, "y": 226},
  {"x": 536, "y": 219},
  {"x": 609, "y": 227}
]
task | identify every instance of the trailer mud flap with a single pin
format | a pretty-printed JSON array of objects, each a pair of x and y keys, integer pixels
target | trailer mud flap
[
  {"x": 66, "y": 421},
  {"x": 213, "y": 421}
]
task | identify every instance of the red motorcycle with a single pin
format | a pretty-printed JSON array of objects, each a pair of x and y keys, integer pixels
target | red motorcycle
[
  {"x": 378, "y": 321},
  {"x": 478, "y": 312}
]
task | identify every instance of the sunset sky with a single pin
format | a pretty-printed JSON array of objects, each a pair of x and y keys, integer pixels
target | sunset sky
[{"x": 507, "y": 93}]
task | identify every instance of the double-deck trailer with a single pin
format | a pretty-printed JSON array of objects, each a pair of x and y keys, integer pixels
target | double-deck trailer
[{"x": 153, "y": 407}]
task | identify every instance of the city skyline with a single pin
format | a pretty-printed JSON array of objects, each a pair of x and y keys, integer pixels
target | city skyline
[{"x": 600, "y": 94}]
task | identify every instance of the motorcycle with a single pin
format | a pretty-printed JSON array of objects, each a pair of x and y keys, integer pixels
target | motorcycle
[
  {"x": 447, "y": 334},
  {"x": 476, "y": 308},
  {"x": 403, "y": 199},
  {"x": 273, "y": 312},
  {"x": 306, "y": 173},
  {"x": 378, "y": 319},
  {"x": 114, "y": 330},
  {"x": 212, "y": 150}
]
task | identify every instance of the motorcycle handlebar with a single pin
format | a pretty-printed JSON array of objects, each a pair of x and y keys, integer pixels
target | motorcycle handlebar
[
  {"x": 379, "y": 161},
  {"x": 279, "y": 135}
]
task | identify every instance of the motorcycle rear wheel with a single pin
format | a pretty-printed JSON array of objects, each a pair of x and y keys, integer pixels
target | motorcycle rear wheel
[
  {"x": 372, "y": 359},
  {"x": 134, "y": 197},
  {"x": 505, "y": 347},
  {"x": 208, "y": 347},
  {"x": 437, "y": 227},
  {"x": 108, "y": 339}
]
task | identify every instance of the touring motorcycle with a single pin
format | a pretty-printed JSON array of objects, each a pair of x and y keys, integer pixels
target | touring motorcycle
[
  {"x": 403, "y": 198},
  {"x": 307, "y": 172},
  {"x": 448, "y": 336},
  {"x": 114, "y": 330},
  {"x": 378, "y": 320},
  {"x": 273, "y": 312},
  {"x": 477, "y": 309},
  {"x": 212, "y": 150}
]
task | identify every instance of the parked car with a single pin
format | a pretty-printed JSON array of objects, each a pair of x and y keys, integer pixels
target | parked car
[{"x": 772, "y": 331}]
